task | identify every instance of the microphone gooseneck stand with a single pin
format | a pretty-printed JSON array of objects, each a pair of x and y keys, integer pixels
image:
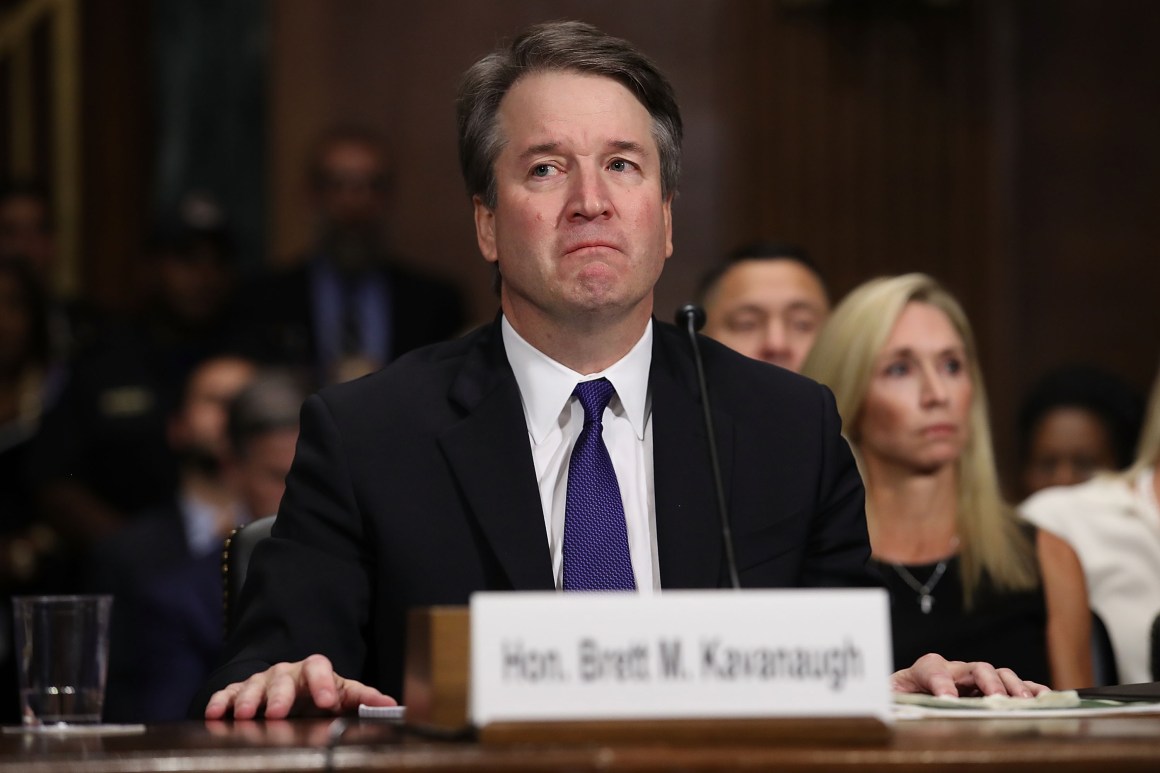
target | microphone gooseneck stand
[{"x": 692, "y": 318}]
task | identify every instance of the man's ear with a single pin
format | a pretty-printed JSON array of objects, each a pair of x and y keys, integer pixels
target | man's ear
[
  {"x": 668, "y": 212},
  {"x": 485, "y": 229}
]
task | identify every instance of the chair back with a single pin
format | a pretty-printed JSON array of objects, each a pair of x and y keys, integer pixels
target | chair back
[
  {"x": 1156, "y": 649},
  {"x": 1103, "y": 656},
  {"x": 239, "y": 546}
]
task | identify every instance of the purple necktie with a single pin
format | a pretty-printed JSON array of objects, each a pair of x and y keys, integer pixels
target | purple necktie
[{"x": 595, "y": 537}]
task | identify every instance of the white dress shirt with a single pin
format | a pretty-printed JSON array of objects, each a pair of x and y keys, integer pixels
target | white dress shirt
[{"x": 555, "y": 419}]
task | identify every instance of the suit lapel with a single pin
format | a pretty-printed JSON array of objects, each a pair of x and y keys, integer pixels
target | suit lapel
[
  {"x": 689, "y": 542},
  {"x": 489, "y": 455}
]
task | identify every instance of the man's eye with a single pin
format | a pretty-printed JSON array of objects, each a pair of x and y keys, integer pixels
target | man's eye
[
  {"x": 619, "y": 165},
  {"x": 743, "y": 324},
  {"x": 543, "y": 170},
  {"x": 803, "y": 325}
]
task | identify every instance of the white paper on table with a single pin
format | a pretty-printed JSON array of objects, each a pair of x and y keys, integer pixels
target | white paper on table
[{"x": 1061, "y": 703}]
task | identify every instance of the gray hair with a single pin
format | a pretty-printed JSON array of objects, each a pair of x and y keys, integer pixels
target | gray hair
[
  {"x": 271, "y": 402},
  {"x": 555, "y": 46}
]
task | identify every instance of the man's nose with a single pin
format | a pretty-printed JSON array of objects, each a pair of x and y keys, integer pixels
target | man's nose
[
  {"x": 590, "y": 198},
  {"x": 775, "y": 344}
]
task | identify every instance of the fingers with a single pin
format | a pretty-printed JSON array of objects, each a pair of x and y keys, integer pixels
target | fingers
[
  {"x": 935, "y": 675},
  {"x": 354, "y": 693},
  {"x": 280, "y": 689},
  {"x": 1036, "y": 688},
  {"x": 985, "y": 679},
  {"x": 321, "y": 683},
  {"x": 1012, "y": 684},
  {"x": 310, "y": 685},
  {"x": 221, "y": 701},
  {"x": 977, "y": 679},
  {"x": 929, "y": 674},
  {"x": 252, "y": 694}
]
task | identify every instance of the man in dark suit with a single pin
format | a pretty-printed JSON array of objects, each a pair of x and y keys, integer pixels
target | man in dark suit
[
  {"x": 448, "y": 472},
  {"x": 351, "y": 306},
  {"x": 235, "y": 433},
  {"x": 134, "y": 564}
]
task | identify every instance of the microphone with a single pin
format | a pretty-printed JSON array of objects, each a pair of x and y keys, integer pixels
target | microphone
[{"x": 692, "y": 318}]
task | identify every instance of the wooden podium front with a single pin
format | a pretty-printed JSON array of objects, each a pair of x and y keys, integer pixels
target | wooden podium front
[{"x": 437, "y": 678}]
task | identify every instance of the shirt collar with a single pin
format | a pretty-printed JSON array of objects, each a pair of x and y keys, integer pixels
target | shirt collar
[
  {"x": 546, "y": 385},
  {"x": 200, "y": 522}
]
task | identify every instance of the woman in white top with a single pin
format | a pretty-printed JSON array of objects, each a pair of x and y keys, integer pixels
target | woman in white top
[
  {"x": 1113, "y": 523},
  {"x": 966, "y": 579}
]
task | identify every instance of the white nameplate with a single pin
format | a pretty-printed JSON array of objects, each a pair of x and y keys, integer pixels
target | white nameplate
[{"x": 680, "y": 655}]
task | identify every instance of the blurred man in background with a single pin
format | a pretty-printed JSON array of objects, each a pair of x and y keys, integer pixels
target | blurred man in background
[
  {"x": 767, "y": 301},
  {"x": 351, "y": 306},
  {"x": 235, "y": 433},
  {"x": 102, "y": 454}
]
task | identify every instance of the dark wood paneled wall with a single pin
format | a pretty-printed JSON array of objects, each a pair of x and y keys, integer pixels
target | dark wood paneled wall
[
  {"x": 116, "y": 150},
  {"x": 1087, "y": 164}
]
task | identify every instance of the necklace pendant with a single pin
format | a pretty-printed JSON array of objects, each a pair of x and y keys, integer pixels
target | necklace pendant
[{"x": 925, "y": 602}]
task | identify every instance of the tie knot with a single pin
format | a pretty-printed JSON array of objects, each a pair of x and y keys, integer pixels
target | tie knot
[{"x": 594, "y": 396}]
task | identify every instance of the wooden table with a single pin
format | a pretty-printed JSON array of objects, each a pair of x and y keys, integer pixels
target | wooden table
[{"x": 1126, "y": 743}]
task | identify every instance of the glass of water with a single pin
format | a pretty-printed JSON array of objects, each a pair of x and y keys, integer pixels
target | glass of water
[{"x": 62, "y": 651}]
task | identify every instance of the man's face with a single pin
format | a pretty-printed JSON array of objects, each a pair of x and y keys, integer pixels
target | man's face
[
  {"x": 199, "y": 427},
  {"x": 351, "y": 189},
  {"x": 195, "y": 283},
  {"x": 767, "y": 309},
  {"x": 580, "y": 230},
  {"x": 24, "y": 232},
  {"x": 261, "y": 470}
]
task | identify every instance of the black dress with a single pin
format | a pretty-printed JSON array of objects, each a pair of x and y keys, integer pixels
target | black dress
[{"x": 1007, "y": 629}]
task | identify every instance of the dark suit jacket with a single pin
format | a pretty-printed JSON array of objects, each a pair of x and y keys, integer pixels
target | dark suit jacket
[
  {"x": 166, "y": 627},
  {"x": 181, "y": 640},
  {"x": 278, "y": 318},
  {"x": 415, "y": 486}
]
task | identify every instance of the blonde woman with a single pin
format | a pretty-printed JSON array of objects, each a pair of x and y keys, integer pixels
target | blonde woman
[
  {"x": 1113, "y": 523},
  {"x": 966, "y": 579}
]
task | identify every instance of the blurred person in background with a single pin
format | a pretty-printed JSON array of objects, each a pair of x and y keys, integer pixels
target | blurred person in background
[
  {"x": 1113, "y": 523},
  {"x": 768, "y": 301},
  {"x": 1076, "y": 421},
  {"x": 103, "y": 454},
  {"x": 26, "y": 228},
  {"x": 966, "y": 580},
  {"x": 351, "y": 306},
  {"x": 29, "y": 558},
  {"x": 27, "y": 236},
  {"x": 24, "y": 394},
  {"x": 184, "y": 635},
  {"x": 200, "y": 512}
]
